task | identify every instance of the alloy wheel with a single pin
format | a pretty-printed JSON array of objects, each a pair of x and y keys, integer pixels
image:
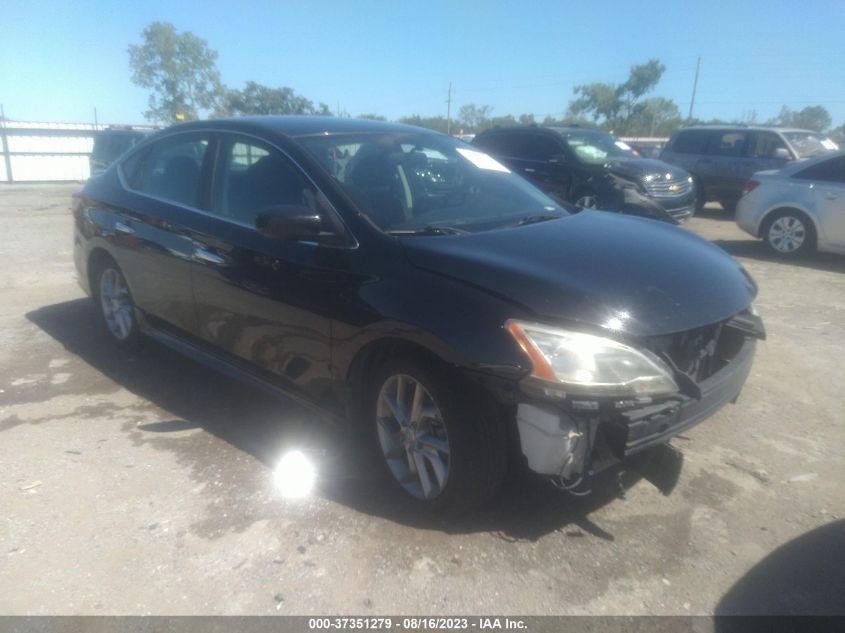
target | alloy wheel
[
  {"x": 588, "y": 201},
  {"x": 413, "y": 437},
  {"x": 787, "y": 234},
  {"x": 116, "y": 304}
]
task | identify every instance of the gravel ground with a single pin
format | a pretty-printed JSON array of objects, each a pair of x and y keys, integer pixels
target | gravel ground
[{"x": 142, "y": 483}]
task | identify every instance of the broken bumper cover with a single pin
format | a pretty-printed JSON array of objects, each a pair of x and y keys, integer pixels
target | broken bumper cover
[{"x": 557, "y": 440}]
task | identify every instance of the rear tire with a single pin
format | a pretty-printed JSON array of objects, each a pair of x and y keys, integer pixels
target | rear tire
[
  {"x": 438, "y": 439},
  {"x": 115, "y": 305},
  {"x": 788, "y": 233}
]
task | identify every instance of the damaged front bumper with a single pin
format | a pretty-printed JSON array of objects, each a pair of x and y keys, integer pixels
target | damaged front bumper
[{"x": 569, "y": 439}]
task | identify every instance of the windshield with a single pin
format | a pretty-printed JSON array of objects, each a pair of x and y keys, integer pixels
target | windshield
[
  {"x": 594, "y": 148},
  {"x": 406, "y": 181},
  {"x": 807, "y": 144}
]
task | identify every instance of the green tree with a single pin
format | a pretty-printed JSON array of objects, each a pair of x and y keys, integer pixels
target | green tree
[
  {"x": 180, "y": 71},
  {"x": 473, "y": 118},
  {"x": 653, "y": 117},
  {"x": 256, "y": 98},
  {"x": 437, "y": 123},
  {"x": 372, "y": 117},
  {"x": 502, "y": 121},
  {"x": 617, "y": 107},
  {"x": 811, "y": 118},
  {"x": 598, "y": 101}
]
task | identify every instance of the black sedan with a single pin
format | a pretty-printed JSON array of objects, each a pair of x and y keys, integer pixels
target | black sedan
[
  {"x": 415, "y": 288},
  {"x": 592, "y": 170}
]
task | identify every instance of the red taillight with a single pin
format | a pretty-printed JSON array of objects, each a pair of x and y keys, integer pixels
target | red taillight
[{"x": 750, "y": 186}]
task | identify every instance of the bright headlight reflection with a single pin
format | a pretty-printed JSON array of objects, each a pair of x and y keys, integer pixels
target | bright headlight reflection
[
  {"x": 617, "y": 322},
  {"x": 294, "y": 475}
]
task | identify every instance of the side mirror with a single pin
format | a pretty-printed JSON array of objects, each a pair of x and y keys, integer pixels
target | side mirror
[
  {"x": 781, "y": 153},
  {"x": 288, "y": 222}
]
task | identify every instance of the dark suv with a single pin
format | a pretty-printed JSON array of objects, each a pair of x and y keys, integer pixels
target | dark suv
[
  {"x": 109, "y": 144},
  {"x": 409, "y": 285},
  {"x": 722, "y": 158},
  {"x": 591, "y": 169}
]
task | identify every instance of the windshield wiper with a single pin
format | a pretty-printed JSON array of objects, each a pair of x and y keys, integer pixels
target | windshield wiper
[
  {"x": 429, "y": 230},
  {"x": 533, "y": 219}
]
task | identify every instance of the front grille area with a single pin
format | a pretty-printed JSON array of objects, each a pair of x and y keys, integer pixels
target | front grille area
[
  {"x": 701, "y": 352},
  {"x": 660, "y": 187},
  {"x": 680, "y": 214}
]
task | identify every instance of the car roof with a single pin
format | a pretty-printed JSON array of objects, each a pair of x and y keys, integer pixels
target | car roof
[
  {"x": 761, "y": 128},
  {"x": 301, "y": 125},
  {"x": 541, "y": 128}
]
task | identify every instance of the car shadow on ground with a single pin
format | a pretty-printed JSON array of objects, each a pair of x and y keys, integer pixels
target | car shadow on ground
[
  {"x": 265, "y": 426},
  {"x": 756, "y": 249},
  {"x": 715, "y": 212},
  {"x": 806, "y": 576}
]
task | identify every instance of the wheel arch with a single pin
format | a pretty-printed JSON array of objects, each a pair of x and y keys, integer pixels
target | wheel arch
[
  {"x": 96, "y": 258},
  {"x": 764, "y": 218},
  {"x": 378, "y": 350}
]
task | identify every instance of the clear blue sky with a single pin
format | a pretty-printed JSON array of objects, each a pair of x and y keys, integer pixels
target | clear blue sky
[{"x": 59, "y": 59}]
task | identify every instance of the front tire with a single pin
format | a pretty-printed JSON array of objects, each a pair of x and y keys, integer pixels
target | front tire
[
  {"x": 788, "y": 233},
  {"x": 442, "y": 444},
  {"x": 116, "y": 306}
]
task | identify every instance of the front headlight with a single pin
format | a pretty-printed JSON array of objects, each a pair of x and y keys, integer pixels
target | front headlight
[{"x": 585, "y": 364}]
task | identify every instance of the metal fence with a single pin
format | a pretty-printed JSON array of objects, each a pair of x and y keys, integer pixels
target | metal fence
[{"x": 46, "y": 152}]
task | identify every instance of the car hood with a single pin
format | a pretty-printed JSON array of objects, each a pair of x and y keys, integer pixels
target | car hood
[
  {"x": 627, "y": 274},
  {"x": 636, "y": 168}
]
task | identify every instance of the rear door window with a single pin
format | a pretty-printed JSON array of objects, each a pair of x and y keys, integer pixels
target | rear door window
[
  {"x": 691, "y": 142},
  {"x": 170, "y": 169},
  {"x": 832, "y": 170},
  {"x": 500, "y": 144},
  {"x": 729, "y": 143},
  {"x": 539, "y": 147}
]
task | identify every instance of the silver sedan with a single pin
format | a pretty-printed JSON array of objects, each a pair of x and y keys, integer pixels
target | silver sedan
[{"x": 797, "y": 209}]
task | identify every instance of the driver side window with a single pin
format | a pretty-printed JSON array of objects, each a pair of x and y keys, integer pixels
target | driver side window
[{"x": 252, "y": 177}]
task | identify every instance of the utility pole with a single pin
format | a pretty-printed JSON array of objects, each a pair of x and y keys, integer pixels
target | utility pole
[
  {"x": 694, "y": 88},
  {"x": 96, "y": 124},
  {"x": 5, "y": 145},
  {"x": 449, "y": 110}
]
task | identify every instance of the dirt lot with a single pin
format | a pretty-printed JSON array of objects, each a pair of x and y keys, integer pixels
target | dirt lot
[{"x": 138, "y": 484}]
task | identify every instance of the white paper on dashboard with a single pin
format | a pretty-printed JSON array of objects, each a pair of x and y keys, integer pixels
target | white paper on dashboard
[{"x": 482, "y": 160}]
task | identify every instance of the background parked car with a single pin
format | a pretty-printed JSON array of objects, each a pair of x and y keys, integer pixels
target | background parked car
[
  {"x": 109, "y": 144},
  {"x": 799, "y": 208},
  {"x": 721, "y": 159},
  {"x": 647, "y": 148},
  {"x": 591, "y": 169}
]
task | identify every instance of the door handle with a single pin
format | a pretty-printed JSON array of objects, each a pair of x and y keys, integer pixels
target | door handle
[
  {"x": 832, "y": 196},
  {"x": 121, "y": 227},
  {"x": 202, "y": 255},
  {"x": 529, "y": 170}
]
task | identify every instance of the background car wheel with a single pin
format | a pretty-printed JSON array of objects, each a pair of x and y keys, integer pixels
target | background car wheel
[
  {"x": 587, "y": 200},
  {"x": 729, "y": 206},
  {"x": 789, "y": 233},
  {"x": 115, "y": 305},
  {"x": 700, "y": 200},
  {"x": 442, "y": 444}
]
